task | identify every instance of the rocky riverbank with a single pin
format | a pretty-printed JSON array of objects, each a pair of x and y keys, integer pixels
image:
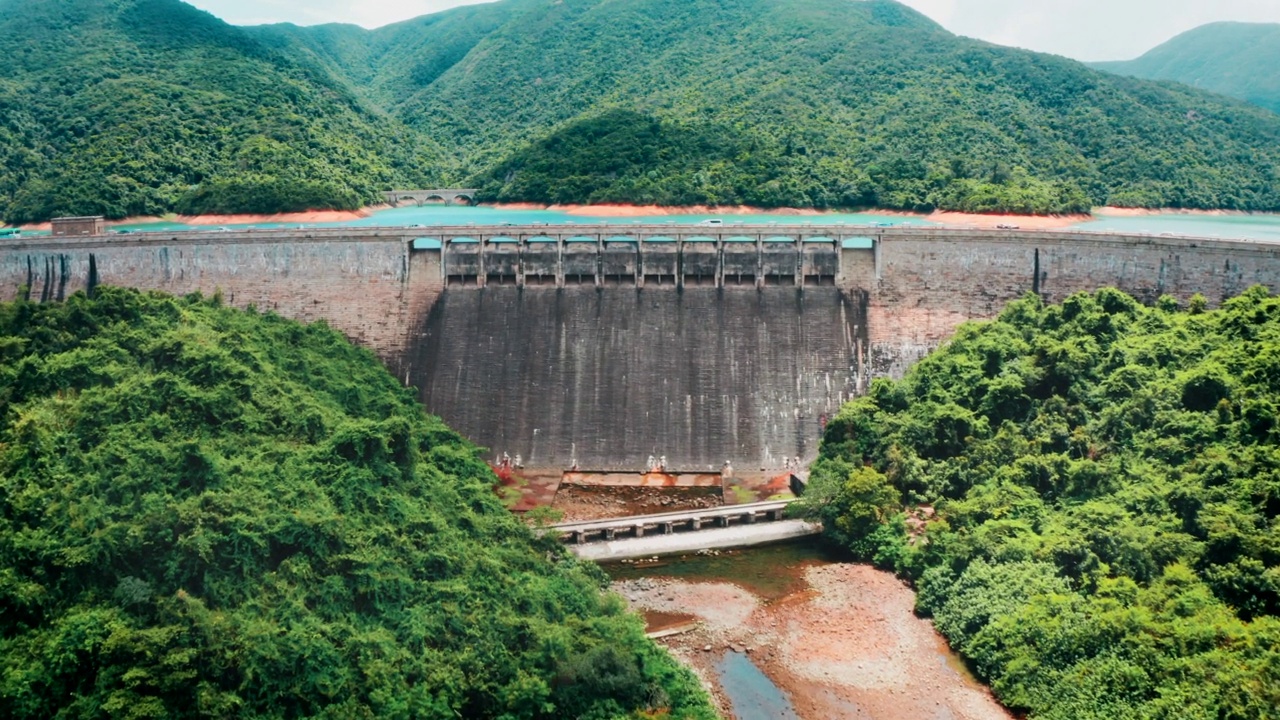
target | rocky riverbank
[{"x": 842, "y": 641}]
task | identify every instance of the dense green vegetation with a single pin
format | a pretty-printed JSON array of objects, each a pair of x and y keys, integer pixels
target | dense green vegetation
[
  {"x": 142, "y": 106},
  {"x": 1235, "y": 59},
  {"x": 211, "y": 513},
  {"x": 823, "y": 103},
  {"x": 1106, "y": 478}
]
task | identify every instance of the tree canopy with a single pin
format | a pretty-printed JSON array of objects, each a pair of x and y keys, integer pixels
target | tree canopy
[
  {"x": 145, "y": 107},
  {"x": 1091, "y": 494},
  {"x": 214, "y": 513},
  {"x": 134, "y": 107}
]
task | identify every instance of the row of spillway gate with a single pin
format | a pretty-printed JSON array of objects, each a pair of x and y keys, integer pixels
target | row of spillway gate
[{"x": 603, "y": 260}]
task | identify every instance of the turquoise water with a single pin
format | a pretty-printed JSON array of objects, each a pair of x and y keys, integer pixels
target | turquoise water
[
  {"x": 430, "y": 215},
  {"x": 1254, "y": 227},
  {"x": 751, "y": 693}
]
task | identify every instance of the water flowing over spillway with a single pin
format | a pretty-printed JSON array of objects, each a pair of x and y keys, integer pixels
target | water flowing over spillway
[{"x": 607, "y": 379}]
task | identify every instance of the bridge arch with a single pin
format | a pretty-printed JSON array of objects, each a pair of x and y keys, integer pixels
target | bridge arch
[{"x": 448, "y": 196}]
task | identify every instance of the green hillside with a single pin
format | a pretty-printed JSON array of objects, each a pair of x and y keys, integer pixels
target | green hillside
[
  {"x": 1235, "y": 59},
  {"x": 824, "y": 103},
  {"x": 212, "y": 513},
  {"x": 390, "y": 63},
  {"x": 137, "y": 107},
  {"x": 1106, "y": 482}
]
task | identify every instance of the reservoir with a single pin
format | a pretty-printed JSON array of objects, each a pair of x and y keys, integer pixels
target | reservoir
[{"x": 1254, "y": 226}]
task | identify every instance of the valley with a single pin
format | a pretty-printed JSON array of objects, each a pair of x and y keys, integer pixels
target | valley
[{"x": 447, "y": 369}]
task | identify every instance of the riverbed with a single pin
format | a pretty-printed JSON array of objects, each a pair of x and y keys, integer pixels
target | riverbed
[{"x": 791, "y": 631}]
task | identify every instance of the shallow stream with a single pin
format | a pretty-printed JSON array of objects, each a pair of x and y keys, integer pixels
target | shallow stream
[
  {"x": 751, "y": 692},
  {"x": 813, "y": 635},
  {"x": 770, "y": 572}
]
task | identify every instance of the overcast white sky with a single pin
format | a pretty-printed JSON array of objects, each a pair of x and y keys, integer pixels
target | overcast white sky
[{"x": 1082, "y": 29}]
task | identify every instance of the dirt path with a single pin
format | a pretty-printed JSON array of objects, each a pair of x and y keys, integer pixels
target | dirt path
[{"x": 844, "y": 645}]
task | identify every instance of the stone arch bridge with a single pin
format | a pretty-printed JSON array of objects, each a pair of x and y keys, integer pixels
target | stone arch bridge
[{"x": 419, "y": 197}]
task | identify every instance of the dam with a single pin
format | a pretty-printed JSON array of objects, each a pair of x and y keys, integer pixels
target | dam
[{"x": 615, "y": 347}]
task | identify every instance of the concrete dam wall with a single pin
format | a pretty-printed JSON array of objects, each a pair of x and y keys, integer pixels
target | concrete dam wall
[
  {"x": 608, "y": 379},
  {"x": 356, "y": 282},
  {"x": 603, "y": 345}
]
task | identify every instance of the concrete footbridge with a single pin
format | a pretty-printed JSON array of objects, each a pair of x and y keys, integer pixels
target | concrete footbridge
[
  {"x": 669, "y": 523},
  {"x": 722, "y": 527}
]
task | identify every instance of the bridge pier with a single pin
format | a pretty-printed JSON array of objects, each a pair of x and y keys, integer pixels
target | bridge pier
[
  {"x": 695, "y": 523},
  {"x": 639, "y": 531},
  {"x": 668, "y": 528},
  {"x": 749, "y": 518},
  {"x": 609, "y": 533},
  {"x": 722, "y": 521}
]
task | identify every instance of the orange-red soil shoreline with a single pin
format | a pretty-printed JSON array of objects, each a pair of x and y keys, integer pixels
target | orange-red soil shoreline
[
  {"x": 981, "y": 220},
  {"x": 944, "y": 218},
  {"x": 309, "y": 216},
  {"x": 1027, "y": 222}
]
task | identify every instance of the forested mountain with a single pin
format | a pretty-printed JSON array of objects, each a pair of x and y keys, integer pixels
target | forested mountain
[
  {"x": 767, "y": 102},
  {"x": 213, "y": 513},
  {"x": 389, "y": 64},
  {"x": 138, "y": 107},
  {"x": 814, "y": 102},
  {"x": 1094, "y": 502},
  {"x": 824, "y": 102},
  {"x": 1235, "y": 59}
]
